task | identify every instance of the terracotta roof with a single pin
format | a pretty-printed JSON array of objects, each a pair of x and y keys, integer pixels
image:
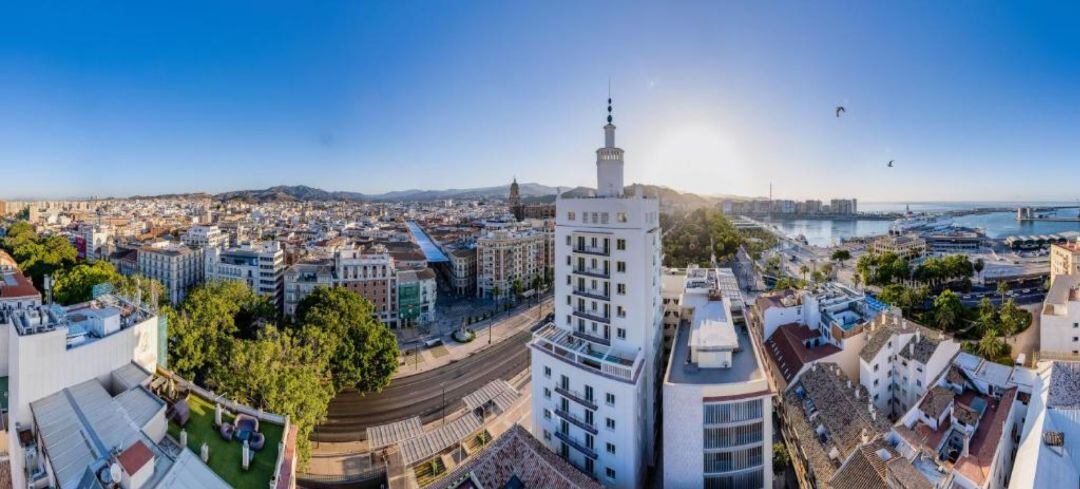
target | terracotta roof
[
  {"x": 517, "y": 454},
  {"x": 936, "y": 401},
  {"x": 135, "y": 457},
  {"x": 15, "y": 284},
  {"x": 790, "y": 354},
  {"x": 984, "y": 445}
]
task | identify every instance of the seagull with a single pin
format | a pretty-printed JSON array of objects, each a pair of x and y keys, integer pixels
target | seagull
[
  {"x": 890, "y": 163},
  {"x": 839, "y": 109}
]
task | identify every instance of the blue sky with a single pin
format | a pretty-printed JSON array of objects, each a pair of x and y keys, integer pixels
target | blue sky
[{"x": 974, "y": 101}]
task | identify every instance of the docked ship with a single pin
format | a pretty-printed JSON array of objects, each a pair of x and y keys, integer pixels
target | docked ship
[{"x": 919, "y": 223}]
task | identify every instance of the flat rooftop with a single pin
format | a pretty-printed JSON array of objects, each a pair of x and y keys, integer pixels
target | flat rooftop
[{"x": 744, "y": 363}]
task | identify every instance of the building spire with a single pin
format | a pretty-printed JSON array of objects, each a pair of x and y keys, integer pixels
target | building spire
[{"x": 609, "y": 101}]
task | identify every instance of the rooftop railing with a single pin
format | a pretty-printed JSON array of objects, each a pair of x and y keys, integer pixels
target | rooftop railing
[{"x": 606, "y": 360}]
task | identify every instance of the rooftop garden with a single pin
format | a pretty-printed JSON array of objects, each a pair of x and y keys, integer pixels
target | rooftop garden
[{"x": 225, "y": 456}]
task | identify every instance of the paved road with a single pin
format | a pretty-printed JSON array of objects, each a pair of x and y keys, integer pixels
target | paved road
[{"x": 422, "y": 394}]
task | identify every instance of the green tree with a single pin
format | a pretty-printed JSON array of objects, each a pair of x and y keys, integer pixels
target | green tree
[
  {"x": 211, "y": 317},
  {"x": 1011, "y": 318},
  {"x": 990, "y": 347},
  {"x": 75, "y": 284},
  {"x": 979, "y": 265},
  {"x": 1002, "y": 288},
  {"x": 780, "y": 458},
  {"x": 988, "y": 315},
  {"x": 39, "y": 257},
  {"x": 841, "y": 256},
  {"x": 947, "y": 310},
  {"x": 341, "y": 327},
  {"x": 803, "y": 270},
  {"x": 279, "y": 374},
  {"x": 516, "y": 287},
  {"x": 18, "y": 234}
]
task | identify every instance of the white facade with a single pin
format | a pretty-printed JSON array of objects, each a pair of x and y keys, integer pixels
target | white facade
[
  {"x": 717, "y": 429},
  {"x": 205, "y": 236},
  {"x": 594, "y": 368},
  {"x": 1060, "y": 316},
  {"x": 901, "y": 361},
  {"x": 261, "y": 266},
  {"x": 46, "y": 352},
  {"x": 178, "y": 267}
]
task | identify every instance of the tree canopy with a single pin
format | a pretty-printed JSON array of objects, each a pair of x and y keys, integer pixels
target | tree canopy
[
  {"x": 341, "y": 326},
  {"x": 695, "y": 237},
  {"x": 38, "y": 255}
]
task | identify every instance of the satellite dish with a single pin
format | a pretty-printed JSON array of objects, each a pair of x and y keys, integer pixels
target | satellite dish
[{"x": 114, "y": 472}]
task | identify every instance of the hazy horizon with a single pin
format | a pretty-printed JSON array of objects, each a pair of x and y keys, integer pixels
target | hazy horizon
[{"x": 974, "y": 101}]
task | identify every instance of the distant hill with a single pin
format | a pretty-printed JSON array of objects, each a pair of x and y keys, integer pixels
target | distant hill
[{"x": 530, "y": 193}]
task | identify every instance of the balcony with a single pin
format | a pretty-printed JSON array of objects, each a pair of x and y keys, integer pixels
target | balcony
[
  {"x": 580, "y": 333},
  {"x": 592, "y": 250},
  {"x": 593, "y": 272},
  {"x": 576, "y": 421},
  {"x": 591, "y": 316},
  {"x": 593, "y": 293},
  {"x": 609, "y": 361},
  {"x": 576, "y": 397},
  {"x": 576, "y": 444}
]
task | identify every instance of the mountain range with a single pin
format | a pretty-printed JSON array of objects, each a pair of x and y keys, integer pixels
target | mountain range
[{"x": 530, "y": 193}]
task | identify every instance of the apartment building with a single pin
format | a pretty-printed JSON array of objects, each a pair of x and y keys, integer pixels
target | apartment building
[
  {"x": 259, "y": 265},
  {"x": 900, "y": 361},
  {"x": 1044, "y": 457},
  {"x": 509, "y": 256},
  {"x": 416, "y": 294},
  {"x": 370, "y": 272},
  {"x": 178, "y": 267},
  {"x": 204, "y": 236},
  {"x": 1059, "y": 330},
  {"x": 463, "y": 269},
  {"x": 1064, "y": 259},
  {"x": 595, "y": 368},
  {"x": 717, "y": 400},
  {"x": 301, "y": 279},
  {"x": 964, "y": 431}
]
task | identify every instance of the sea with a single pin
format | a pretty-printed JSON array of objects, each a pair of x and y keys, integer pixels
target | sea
[{"x": 825, "y": 232}]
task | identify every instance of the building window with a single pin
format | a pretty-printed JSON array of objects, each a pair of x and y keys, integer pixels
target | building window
[
  {"x": 620, "y": 267},
  {"x": 619, "y": 311},
  {"x": 875, "y": 367},
  {"x": 620, "y": 244},
  {"x": 609, "y": 398},
  {"x": 547, "y": 435},
  {"x": 547, "y": 372},
  {"x": 547, "y": 414},
  {"x": 611, "y": 448},
  {"x": 610, "y": 423},
  {"x": 547, "y": 393},
  {"x": 621, "y": 333},
  {"x": 621, "y": 289},
  {"x": 570, "y": 216},
  {"x": 621, "y": 216},
  {"x": 567, "y": 240},
  {"x": 610, "y": 472}
]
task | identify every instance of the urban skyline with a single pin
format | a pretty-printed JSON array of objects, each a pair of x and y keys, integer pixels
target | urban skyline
[{"x": 715, "y": 99}]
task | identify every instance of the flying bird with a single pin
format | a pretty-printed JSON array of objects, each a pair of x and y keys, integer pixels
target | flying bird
[
  {"x": 839, "y": 109},
  {"x": 890, "y": 163}
]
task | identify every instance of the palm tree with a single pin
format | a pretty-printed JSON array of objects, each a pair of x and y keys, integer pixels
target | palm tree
[
  {"x": 979, "y": 265},
  {"x": 1002, "y": 288},
  {"x": 989, "y": 346},
  {"x": 803, "y": 270}
]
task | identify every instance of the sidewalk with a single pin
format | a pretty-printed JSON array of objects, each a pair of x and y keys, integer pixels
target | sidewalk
[{"x": 417, "y": 358}]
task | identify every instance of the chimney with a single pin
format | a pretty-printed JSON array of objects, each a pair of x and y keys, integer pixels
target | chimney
[{"x": 865, "y": 437}]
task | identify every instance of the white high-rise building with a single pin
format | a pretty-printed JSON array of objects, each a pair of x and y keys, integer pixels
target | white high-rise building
[
  {"x": 718, "y": 428},
  {"x": 594, "y": 368}
]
